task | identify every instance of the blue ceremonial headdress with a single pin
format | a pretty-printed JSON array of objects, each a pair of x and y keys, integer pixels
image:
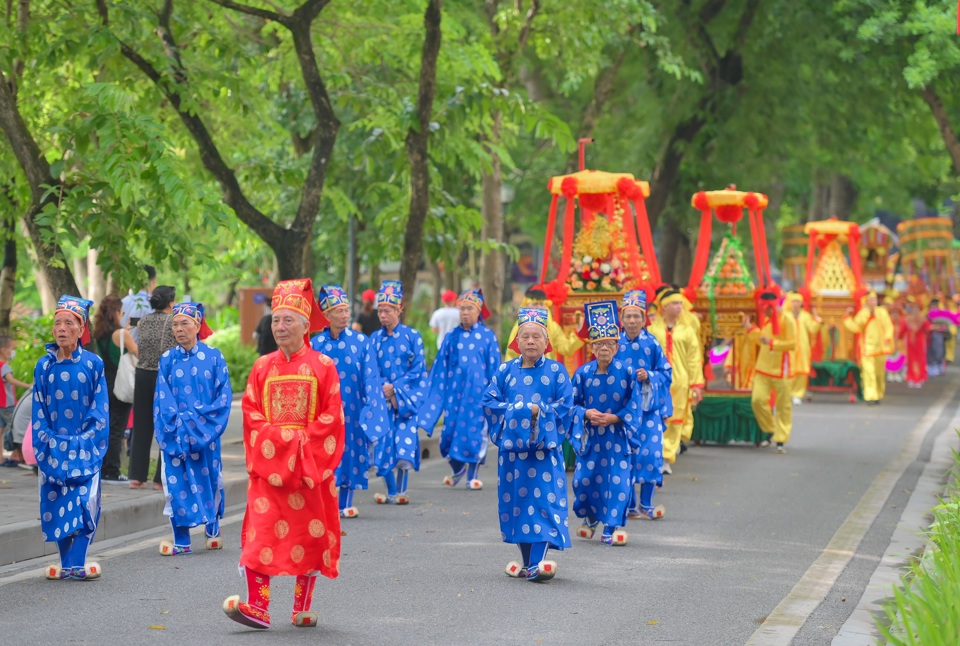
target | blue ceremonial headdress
[
  {"x": 79, "y": 307},
  {"x": 532, "y": 315},
  {"x": 391, "y": 293},
  {"x": 635, "y": 298},
  {"x": 474, "y": 296},
  {"x": 332, "y": 296},
  {"x": 600, "y": 322},
  {"x": 535, "y": 315},
  {"x": 194, "y": 311}
]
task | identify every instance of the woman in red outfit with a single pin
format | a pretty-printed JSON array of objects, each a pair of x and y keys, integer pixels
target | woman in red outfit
[{"x": 914, "y": 332}]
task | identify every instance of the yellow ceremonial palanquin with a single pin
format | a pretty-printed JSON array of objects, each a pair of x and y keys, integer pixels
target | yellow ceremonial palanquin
[
  {"x": 772, "y": 374},
  {"x": 683, "y": 352},
  {"x": 800, "y": 361},
  {"x": 563, "y": 343},
  {"x": 875, "y": 328}
]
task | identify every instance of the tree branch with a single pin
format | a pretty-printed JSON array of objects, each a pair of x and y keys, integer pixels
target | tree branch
[
  {"x": 271, "y": 232},
  {"x": 949, "y": 135},
  {"x": 252, "y": 11},
  {"x": 527, "y": 24}
]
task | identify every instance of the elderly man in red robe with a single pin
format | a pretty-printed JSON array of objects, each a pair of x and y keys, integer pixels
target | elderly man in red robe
[{"x": 293, "y": 435}]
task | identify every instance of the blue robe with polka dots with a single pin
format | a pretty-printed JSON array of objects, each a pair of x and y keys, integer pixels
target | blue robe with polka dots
[
  {"x": 364, "y": 408},
  {"x": 191, "y": 406},
  {"x": 604, "y": 472},
  {"x": 656, "y": 404},
  {"x": 458, "y": 378},
  {"x": 70, "y": 435},
  {"x": 531, "y": 484},
  {"x": 401, "y": 362}
]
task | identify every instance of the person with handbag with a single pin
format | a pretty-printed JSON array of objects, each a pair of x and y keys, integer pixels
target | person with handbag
[
  {"x": 113, "y": 344},
  {"x": 155, "y": 337}
]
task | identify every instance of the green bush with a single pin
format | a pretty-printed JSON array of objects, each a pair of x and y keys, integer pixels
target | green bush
[
  {"x": 32, "y": 336},
  {"x": 925, "y": 610},
  {"x": 239, "y": 356}
]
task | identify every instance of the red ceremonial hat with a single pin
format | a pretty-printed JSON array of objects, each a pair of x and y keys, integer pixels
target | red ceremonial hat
[
  {"x": 297, "y": 296},
  {"x": 449, "y": 296},
  {"x": 369, "y": 295}
]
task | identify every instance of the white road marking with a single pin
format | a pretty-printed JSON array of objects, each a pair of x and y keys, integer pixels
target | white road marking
[{"x": 782, "y": 625}]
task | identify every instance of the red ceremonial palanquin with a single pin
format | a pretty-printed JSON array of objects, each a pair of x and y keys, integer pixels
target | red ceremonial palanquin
[{"x": 293, "y": 437}]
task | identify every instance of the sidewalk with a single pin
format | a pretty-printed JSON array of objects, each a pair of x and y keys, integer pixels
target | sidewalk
[{"x": 123, "y": 510}]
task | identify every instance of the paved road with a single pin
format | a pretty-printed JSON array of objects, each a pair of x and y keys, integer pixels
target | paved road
[{"x": 743, "y": 526}]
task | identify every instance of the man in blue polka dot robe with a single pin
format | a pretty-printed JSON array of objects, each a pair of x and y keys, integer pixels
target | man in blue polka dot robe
[
  {"x": 191, "y": 407},
  {"x": 70, "y": 431},
  {"x": 468, "y": 358},
  {"x": 403, "y": 369},
  {"x": 641, "y": 352},
  {"x": 528, "y": 411},
  {"x": 361, "y": 389}
]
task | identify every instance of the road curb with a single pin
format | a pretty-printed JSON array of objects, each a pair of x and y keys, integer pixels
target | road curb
[{"x": 23, "y": 541}]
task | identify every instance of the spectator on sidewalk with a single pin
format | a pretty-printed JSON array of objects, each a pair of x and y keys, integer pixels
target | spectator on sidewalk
[
  {"x": 156, "y": 337},
  {"x": 136, "y": 306},
  {"x": 264, "y": 335},
  {"x": 8, "y": 400},
  {"x": 108, "y": 335},
  {"x": 446, "y": 318},
  {"x": 70, "y": 433},
  {"x": 368, "y": 321}
]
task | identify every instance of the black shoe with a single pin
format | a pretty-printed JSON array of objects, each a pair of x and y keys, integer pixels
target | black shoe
[
  {"x": 683, "y": 447},
  {"x": 118, "y": 479}
]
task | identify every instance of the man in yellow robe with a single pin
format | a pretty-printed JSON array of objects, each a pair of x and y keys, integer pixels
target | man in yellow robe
[
  {"x": 951, "y": 344},
  {"x": 875, "y": 328},
  {"x": 741, "y": 360},
  {"x": 683, "y": 352},
  {"x": 808, "y": 325},
  {"x": 564, "y": 343},
  {"x": 772, "y": 375},
  {"x": 689, "y": 319}
]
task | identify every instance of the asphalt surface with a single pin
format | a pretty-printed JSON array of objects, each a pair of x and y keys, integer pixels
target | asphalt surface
[{"x": 743, "y": 525}]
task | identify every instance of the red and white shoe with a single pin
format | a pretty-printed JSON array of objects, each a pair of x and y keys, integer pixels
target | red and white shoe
[
  {"x": 542, "y": 572},
  {"x": 244, "y": 613},
  {"x": 305, "y": 619},
  {"x": 516, "y": 570},
  {"x": 167, "y": 548},
  {"x": 53, "y": 572},
  {"x": 586, "y": 531},
  {"x": 214, "y": 543},
  {"x": 384, "y": 499},
  {"x": 619, "y": 537},
  {"x": 475, "y": 485},
  {"x": 403, "y": 499},
  {"x": 92, "y": 570},
  {"x": 656, "y": 513},
  {"x": 349, "y": 512}
]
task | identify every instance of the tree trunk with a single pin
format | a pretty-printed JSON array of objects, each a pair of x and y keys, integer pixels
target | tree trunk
[
  {"x": 943, "y": 122},
  {"x": 418, "y": 138},
  {"x": 289, "y": 244},
  {"x": 437, "y": 277},
  {"x": 8, "y": 275},
  {"x": 683, "y": 261},
  {"x": 37, "y": 171},
  {"x": 843, "y": 197},
  {"x": 669, "y": 247},
  {"x": 96, "y": 281},
  {"x": 80, "y": 274},
  {"x": 491, "y": 262},
  {"x": 819, "y": 201}
]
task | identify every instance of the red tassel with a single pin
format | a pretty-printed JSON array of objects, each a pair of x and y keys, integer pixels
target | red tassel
[
  {"x": 729, "y": 214},
  {"x": 592, "y": 201},
  {"x": 700, "y": 202},
  {"x": 628, "y": 189},
  {"x": 646, "y": 241},
  {"x": 703, "y": 249},
  {"x": 568, "y": 187}
]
